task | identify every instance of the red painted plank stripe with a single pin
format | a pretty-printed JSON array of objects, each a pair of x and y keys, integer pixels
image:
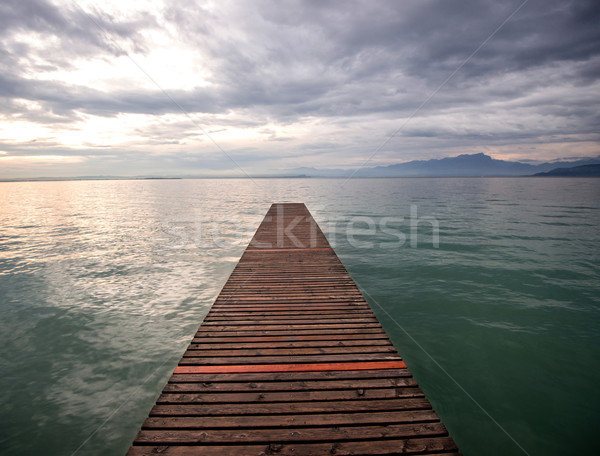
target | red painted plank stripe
[
  {"x": 285, "y": 250},
  {"x": 316, "y": 367}
]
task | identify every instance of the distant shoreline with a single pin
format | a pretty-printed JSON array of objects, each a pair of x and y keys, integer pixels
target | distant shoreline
[{"x": 117, "y": 178}]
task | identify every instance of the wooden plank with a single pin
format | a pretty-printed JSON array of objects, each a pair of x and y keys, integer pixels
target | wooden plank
[
  {"x": 243, "y": 351},
  {"x": 380, "y": 335},
  {"x": 291, "y": 421},
  {"x": 291, "y": 360},
  {"x": 307, "y": 385},
  {"x": 290, "y": 376},
  {"x": 283, "y": 315},
  {"x": 341, "y": 433},
  {"x": 336, "y": 359},
  {"x": 288, "y": 396},
  {"x": 308, "y": 344},
  {"x": 306, "y": 367},
  {"x": 429, "y": 446},
  {"x": 364, "y": 322},
  {"x": 259, "y": 408},
  {"x": 289, "y": 332}
]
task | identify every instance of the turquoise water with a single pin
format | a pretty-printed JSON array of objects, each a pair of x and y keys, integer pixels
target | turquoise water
[{"x": 490, "y": 289}]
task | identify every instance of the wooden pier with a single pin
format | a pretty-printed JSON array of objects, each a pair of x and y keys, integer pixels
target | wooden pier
[{"x": 291, "y": 360}]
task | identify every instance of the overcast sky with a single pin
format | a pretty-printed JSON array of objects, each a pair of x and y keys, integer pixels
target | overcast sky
[{"x": 192, "y": 87}]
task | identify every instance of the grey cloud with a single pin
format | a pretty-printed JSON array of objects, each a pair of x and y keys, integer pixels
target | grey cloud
[
  {"x": 79, "y": 33},
  {"x": 63, "y": 100},
  {"x": 326, "y": 61}
]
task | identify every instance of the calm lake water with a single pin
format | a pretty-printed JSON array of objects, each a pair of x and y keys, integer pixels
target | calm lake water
[{"x": 489, "y": 288}]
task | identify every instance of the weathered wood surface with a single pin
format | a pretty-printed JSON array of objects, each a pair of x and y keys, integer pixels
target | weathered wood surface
[{"x": 291, "y": 361}]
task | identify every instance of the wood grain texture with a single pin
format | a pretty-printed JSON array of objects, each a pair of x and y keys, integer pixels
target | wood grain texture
[{"x": 291, "y": 360}]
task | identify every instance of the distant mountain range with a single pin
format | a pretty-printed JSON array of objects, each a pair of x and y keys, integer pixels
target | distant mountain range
[
  {"x": 460, "y": 166},
  {"x": 575, "y": 171}
]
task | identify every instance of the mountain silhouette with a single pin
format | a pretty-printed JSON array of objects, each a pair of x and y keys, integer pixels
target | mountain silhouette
[{"x": 461, "y": 166}]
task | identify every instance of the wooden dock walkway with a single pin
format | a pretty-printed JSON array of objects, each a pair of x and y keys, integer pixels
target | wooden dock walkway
[{"x": 291, "y": 360}]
